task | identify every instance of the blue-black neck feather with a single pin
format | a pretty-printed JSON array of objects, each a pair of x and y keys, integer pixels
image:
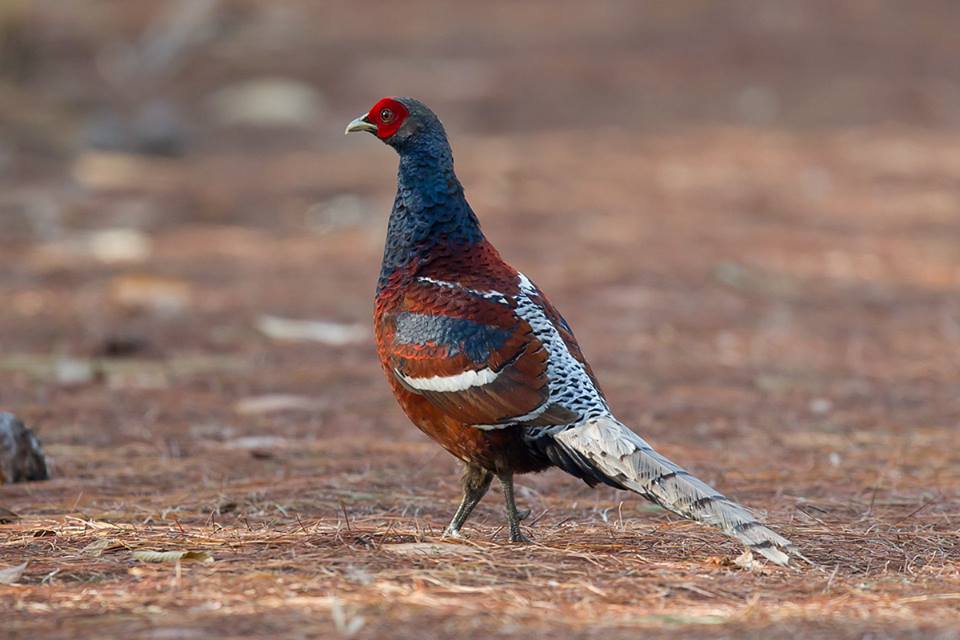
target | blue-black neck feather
[{"x": 430, "y": 214}]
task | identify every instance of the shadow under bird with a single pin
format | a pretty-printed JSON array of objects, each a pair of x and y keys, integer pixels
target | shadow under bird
[{"x": 482, "y": 363}]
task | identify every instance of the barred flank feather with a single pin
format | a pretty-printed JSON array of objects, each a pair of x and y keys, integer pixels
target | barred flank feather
[{"x": 628, "y": 461}]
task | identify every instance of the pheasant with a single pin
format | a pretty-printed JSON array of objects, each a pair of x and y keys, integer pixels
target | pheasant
[{"x": 481, "y": 362}]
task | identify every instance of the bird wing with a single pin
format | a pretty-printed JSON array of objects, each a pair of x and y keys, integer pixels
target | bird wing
[{"x": 468, "y": 352}]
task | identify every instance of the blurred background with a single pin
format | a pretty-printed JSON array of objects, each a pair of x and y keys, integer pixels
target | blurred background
[
  {"x": 749, "y": 211},
  {"x": 757, "y": 184}
]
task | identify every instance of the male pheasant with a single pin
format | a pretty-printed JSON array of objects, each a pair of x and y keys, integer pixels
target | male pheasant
[{"x": 482, "y": 362}]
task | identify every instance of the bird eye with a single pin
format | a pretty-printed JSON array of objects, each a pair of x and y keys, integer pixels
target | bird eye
[{"x": 386, "y": 115}]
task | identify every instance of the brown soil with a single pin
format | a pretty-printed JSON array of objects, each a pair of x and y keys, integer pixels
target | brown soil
[{"x": 750, "y": 213}]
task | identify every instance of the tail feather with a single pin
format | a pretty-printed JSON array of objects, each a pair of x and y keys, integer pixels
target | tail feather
[{"x": 618, "y": 456}]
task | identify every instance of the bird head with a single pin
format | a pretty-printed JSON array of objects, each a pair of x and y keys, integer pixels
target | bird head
[{"x": 397, "y": 121}]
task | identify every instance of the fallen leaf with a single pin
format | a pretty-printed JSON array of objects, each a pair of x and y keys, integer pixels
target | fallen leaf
[
  {"x": 11, "y": 575},
  {"x": 428, "y": 548},
  {"x": 747, "y": 562},
  {"x": 276, "y": 402},
  {"x": 119, "y": 245},
  {"x": 109, "y": 246},
  {"x": 173, "y": 556},
  {"x": 101, "y": 546},
  {"x": 158, "y": 294},
  {"x": 347, "y": 625},
  {"x": 334, "y": 333},
  {"x": 257, "y": 442},
  {"x": 95, "y": 524}
]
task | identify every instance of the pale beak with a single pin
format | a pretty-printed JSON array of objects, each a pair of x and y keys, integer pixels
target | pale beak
[{"x": 360, "y": 124}]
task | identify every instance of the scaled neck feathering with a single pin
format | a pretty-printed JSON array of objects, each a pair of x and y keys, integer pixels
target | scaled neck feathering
[{"x": 430, "y": 213}]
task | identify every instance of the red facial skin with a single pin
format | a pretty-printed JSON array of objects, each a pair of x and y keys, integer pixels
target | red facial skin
[{"x": 388, "y": 114}]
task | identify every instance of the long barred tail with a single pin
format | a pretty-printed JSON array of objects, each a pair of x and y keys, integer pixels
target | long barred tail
[{"x": 604, "y": 449}]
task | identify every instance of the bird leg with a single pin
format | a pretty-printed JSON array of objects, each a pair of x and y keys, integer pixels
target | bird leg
[
  {"x": 475, "y": 481},
  {"x": 513, "y": 516}
]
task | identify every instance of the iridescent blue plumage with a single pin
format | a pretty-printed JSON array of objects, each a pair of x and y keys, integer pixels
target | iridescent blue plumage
[
  {"x": 430, "y": 213},
  {"x": 477, "y": 340}
]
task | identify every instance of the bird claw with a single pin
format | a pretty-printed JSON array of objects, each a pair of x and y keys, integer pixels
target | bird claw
[
  {"x": 517, "y": 537},
  {"x": 451, "y": 533}
]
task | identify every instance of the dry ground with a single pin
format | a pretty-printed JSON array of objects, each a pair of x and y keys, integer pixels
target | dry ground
[{"x": 767, "y": 290}]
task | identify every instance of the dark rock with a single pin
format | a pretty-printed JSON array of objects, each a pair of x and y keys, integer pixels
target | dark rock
[
  {"x": 123, "y": 346},
  {"x": 159, "y": 130},
  {"x": 21, "y": 455}
]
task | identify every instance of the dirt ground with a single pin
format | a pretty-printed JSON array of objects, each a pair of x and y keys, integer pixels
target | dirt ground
[{"x": 749, "y": 212}]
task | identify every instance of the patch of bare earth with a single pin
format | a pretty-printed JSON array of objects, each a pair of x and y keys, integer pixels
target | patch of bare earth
[{"x": 775, "y": 307}]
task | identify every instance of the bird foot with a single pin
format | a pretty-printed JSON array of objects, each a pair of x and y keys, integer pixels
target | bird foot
[
  {"x": 517, "y": 537},
  {"x": 452, "y": 533}
]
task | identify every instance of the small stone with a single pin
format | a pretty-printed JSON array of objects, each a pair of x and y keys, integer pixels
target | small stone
[
  {"x": 821, "y": 406},
  {"x": 21, "y": 455},
  {"x": 71, "y": 372},
  {"x": 159, "y": 130},
  {"x": 114, "y": 246}
]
